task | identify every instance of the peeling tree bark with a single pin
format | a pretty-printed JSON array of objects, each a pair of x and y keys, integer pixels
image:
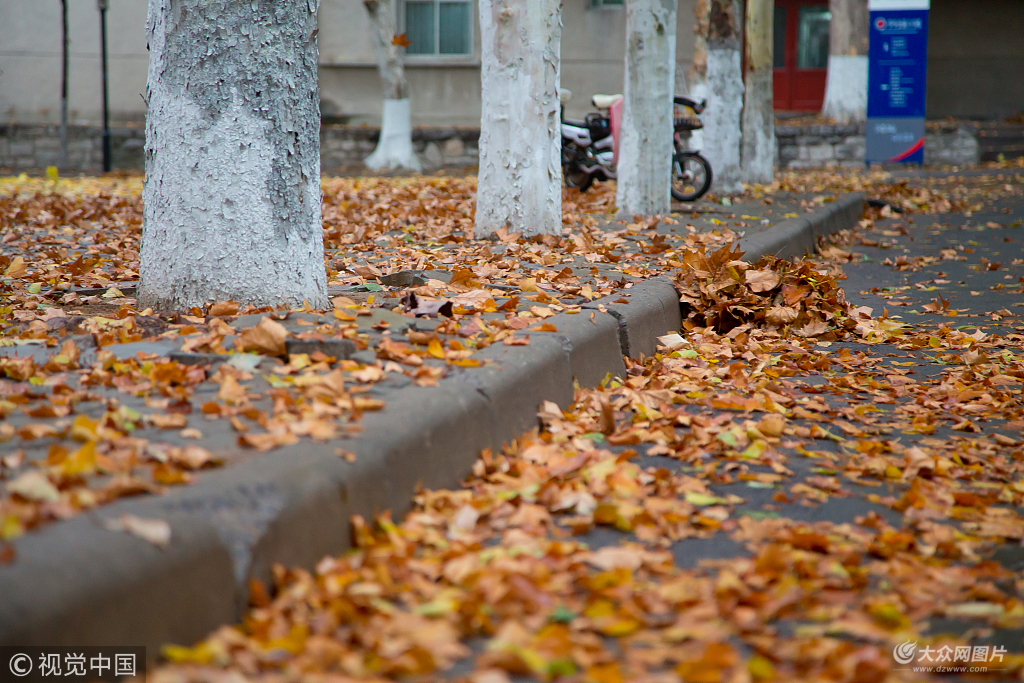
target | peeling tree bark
[
  {"x": 846, "y": 87},
  {"x": 722, "y": 131},
  {"x": 232, "y": 189},
  {"x": 520, "y": 180},
  {"x": 645, "y": 148},
  {"x": 698, "y": 89},
  {"x": 758, "y": 150},
  {"x": 394, "y": 148}
]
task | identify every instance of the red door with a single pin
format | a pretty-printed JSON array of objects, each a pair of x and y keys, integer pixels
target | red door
[{"x": 801, "y": 54}]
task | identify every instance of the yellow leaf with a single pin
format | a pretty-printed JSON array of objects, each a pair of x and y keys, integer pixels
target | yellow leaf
[
  {"x": 604, "y": 673},
  {"x": 888, "y": 615},
  {"x": 696, "y": 498},
  {"x": 82, "y": 461},
  {"x": 435, "y": 349},
  {"x": 761, "y": 669},
  {"x": 10, "y": 526},
  {"x": 294, "y": 642},
  {"x": 83, "y": 429},
  {"x": 203, "y": 653},
  {"x": 621, "y": 627},
  {"x": 17, "y": 268}
]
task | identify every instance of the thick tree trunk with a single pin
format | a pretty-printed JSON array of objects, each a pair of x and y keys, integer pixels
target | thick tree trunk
[
  {"x": 698, "y": 87},
  {"x": 758, "y": 163},
  {"x": 520, "y": 186},
  {"x": 232, "y": 190},
  {"x": 394, "y": 148},
  {"x": 645, "y": 147},
  {"x": 722, "y": 118},
  {"x": 846, "y": 87}
]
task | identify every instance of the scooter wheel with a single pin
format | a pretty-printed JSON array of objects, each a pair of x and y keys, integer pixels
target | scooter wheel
[
  {"x": 577, "y": 178},
  {"x": 691, "y": 176}
]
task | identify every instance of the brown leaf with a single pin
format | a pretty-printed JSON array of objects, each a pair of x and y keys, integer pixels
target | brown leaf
[
  {"x": 762, "y": 280},
  {"x": 267, "y": 338},
  {"x": 224, "y": 308},
  {"x": 781, "y": 315}
]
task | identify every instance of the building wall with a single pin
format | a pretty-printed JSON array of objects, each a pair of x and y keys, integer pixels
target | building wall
[
  {"x": 975, "y": 58},
  {"x": 30, "y": 55},
  {"x": 446, "y": 92}
]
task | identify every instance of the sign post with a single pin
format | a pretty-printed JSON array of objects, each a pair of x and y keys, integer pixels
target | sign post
[{"x": 897, "y": 62}]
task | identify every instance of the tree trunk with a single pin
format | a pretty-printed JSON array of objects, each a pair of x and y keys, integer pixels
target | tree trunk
[
  {"x": 520, "y": 181},
  {"x": 698, "y": 87},
  {"x": 758, "y": 112},
  {"x": 232, "y": 189},
  {"x": 644, "y": 165},
  {"x": 394, "y": 148},
  {"x": 722, "y": 118},
  {"x": 846, "y": 87}
]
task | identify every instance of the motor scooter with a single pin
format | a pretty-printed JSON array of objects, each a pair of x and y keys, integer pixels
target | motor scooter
[{"x": 590, "y": 147}]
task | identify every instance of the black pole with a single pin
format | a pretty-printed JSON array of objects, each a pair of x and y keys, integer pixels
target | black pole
[
  {"x": 102, "y": 4},
  {"x": 64, "y": 86}
]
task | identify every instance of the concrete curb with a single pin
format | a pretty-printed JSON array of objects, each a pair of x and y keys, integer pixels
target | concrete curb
[
  {"x": 77, "y": 583},
  {"x": 793, "y": 238}
]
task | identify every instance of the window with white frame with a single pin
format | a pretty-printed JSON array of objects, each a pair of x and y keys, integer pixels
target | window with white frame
[{"x": 439, "y": 27}]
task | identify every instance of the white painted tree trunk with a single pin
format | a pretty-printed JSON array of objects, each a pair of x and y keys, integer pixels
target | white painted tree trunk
[
  {"x": 520, "y": 179},
  {"x": 722, "y": 118},
  {"x": 644, "y": 165},
  {"x": 232, "y": 189},
  {"x": 698, "y": 86},
  {"x": 846, "y": 85},
  {"x": 394, "y": 148},
  {"x": 758, "y": 151}
]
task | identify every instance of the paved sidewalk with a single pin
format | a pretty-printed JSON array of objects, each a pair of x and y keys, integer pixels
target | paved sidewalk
[
  {"x": 198, "y": 467},
  {"x": 836, "y": 499}
]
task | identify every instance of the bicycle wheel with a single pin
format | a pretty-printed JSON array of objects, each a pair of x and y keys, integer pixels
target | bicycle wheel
[
  {"x": 691, "y": 176},
  {"x": 576, "y": 177}
]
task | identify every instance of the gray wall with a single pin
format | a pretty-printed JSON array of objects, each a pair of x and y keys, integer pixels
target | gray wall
[
  {"x": 975, "y": 58},
  {"x": 446, "y": 92},
  {"x": 975, "y": 65},
  {"x": 30, "y": 50}
]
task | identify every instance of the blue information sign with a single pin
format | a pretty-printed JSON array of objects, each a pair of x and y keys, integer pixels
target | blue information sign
[{"x": 897, "y": 61}]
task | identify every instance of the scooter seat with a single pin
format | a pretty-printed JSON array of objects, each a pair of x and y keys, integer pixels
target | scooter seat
[{"x": 604, "y": 101}]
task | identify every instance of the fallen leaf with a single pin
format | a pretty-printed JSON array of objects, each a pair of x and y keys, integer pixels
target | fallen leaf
[
  {"x": 267, "y": 338},
  {"x": 34, "y": 485},
  {"x": 156, "y": 531}
]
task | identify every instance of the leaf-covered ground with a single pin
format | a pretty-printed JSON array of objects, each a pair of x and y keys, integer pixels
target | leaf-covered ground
[
  {"x": 101, "y": 400},
  {"x": 793, "y": 487}
]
